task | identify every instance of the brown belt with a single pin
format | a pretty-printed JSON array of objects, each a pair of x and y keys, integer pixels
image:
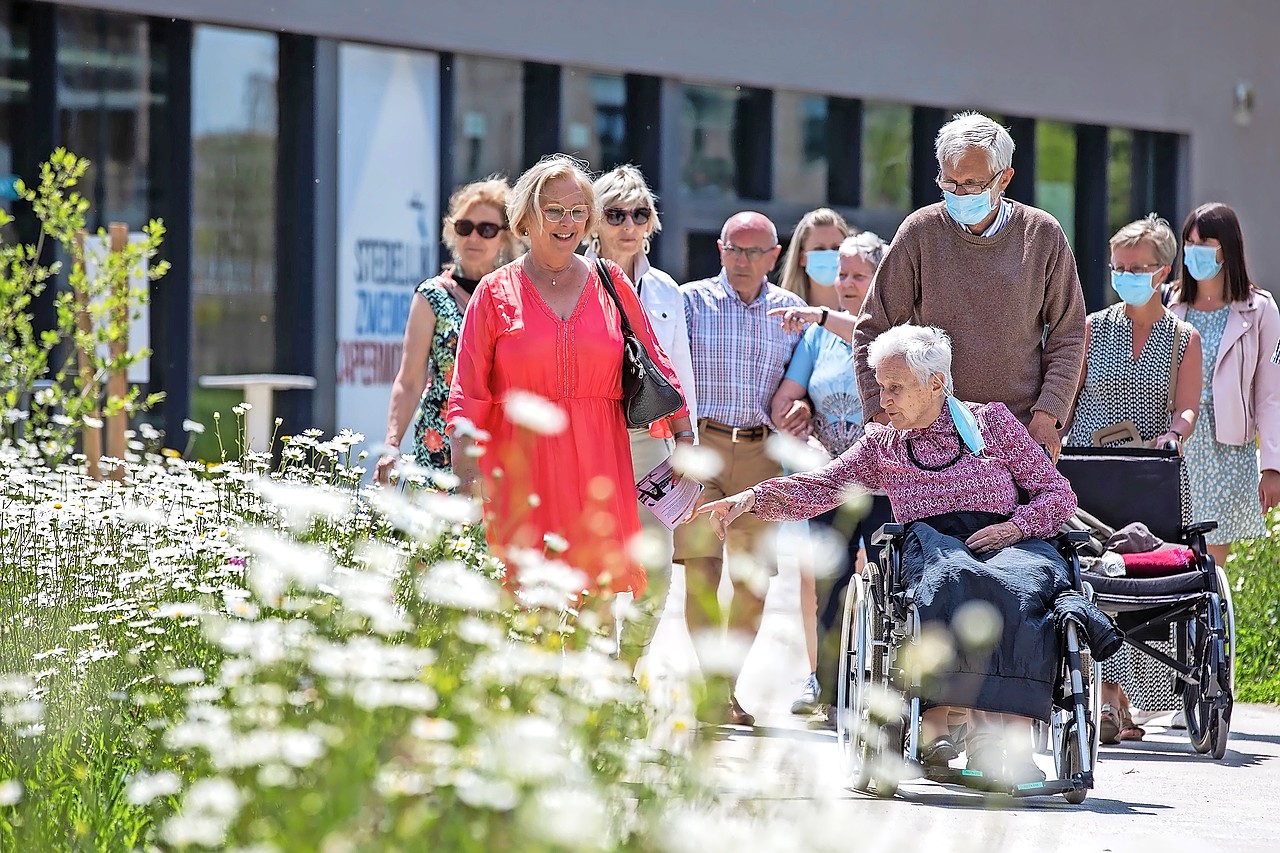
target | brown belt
[{"x": 756, "y": 433}]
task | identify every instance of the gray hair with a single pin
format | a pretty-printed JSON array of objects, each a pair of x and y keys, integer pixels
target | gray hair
[
  {"x": 926, "y": 349},
  {"x": 867, "y": 246},
  {"x": 974, "y": 130},
  {"x": 1154, "y": 230}
]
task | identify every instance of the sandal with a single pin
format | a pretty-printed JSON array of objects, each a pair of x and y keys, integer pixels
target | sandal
[
  {"x": 1109, "y": 726},
  {"x": 1129, "y": 731}
]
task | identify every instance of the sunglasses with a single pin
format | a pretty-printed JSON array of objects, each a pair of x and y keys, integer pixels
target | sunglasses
[
  {"x": 618, "y": 215},
  {"x": 488, "y": 230}
]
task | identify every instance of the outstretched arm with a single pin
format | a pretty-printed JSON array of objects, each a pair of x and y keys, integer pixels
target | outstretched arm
[{"x": 812, "y": 493}]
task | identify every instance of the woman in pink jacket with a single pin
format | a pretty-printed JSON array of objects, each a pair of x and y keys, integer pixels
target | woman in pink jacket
[{"x": 1239, "y": 326}]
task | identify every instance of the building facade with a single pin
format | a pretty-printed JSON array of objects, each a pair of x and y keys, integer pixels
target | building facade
[{"x": 300, "y": 152}]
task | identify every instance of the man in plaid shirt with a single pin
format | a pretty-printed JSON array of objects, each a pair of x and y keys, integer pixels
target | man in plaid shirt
[{"x": 740, "y": 354}]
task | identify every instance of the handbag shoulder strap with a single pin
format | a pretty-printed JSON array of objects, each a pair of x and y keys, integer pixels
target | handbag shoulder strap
[
  {"x": 1180, "y": 334},
  {"x": 607, "y": 281}
]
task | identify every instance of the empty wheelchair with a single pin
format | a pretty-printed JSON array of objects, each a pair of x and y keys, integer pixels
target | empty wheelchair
[
  {"x": 1124, "y": 485},
  {"x": 879, "y": 701}
]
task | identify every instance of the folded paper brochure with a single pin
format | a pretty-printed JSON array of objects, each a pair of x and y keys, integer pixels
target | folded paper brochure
[{"x": 669, "y": 503}]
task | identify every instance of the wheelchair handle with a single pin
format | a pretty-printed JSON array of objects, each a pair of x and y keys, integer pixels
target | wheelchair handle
[{"x": 886, "y": 534}]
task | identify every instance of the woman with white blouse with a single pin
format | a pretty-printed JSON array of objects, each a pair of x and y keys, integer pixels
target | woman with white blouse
[{"x": 628, "y": 219}]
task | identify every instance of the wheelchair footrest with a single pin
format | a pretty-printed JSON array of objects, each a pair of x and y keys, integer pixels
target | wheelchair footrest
[{"x": 978, "y": 780}]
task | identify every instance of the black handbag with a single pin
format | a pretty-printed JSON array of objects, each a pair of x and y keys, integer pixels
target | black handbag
[{"x": 647, "y": 396}]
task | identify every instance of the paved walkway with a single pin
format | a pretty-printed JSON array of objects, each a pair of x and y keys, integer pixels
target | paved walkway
[{"x": 1157, "y": 795}]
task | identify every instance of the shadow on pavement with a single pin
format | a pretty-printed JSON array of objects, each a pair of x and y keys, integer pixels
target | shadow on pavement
[
  {"x": 805, "y": 735},
  {"x": 1167, "y": 752},
  {"x": 948, "y": 798}
]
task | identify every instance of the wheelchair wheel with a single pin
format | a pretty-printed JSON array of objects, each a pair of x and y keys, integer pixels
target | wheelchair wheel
[
  {"x": 851, "y": 686},
  {"x": 1071, "y": 765},
  {"x": 867, "y": 743},
  {"x": 1207, "y": 705}
]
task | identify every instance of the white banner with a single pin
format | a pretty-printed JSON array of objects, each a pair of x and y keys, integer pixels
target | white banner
[
  {"x": 96, "y": 249},
  {"x": 388, "y": 219}
]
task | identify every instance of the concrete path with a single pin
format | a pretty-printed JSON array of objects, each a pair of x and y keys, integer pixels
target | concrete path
[{"x": 1157, "y": 795}]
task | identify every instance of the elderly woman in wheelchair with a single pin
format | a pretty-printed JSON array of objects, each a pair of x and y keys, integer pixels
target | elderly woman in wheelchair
[{"x": 978, "y": 497}]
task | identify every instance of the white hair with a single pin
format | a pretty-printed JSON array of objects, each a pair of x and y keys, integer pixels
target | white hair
[
  {"x": 866, "y": 245},
  {"x": 971, "y": 130},
  {"x": 926, "y": 349}
]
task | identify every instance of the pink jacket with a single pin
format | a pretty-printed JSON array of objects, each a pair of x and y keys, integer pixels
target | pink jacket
[{"x": 1246, "y": 383}]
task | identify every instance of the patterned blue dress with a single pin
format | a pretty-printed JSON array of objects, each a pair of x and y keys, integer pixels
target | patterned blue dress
[{"x": 1224, "y": 478}]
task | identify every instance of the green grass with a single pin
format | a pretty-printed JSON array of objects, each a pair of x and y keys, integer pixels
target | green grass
[
  {"x": 1254, "y": 571},
  {"x": 204, "y": 402}
]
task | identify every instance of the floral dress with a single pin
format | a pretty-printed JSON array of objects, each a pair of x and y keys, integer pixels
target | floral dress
[
  {"x": 1224, "y": 478},
  {"x": 430, "y": 444}
]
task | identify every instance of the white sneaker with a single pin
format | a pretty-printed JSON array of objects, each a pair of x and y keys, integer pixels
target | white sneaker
[
  {"x": 807, "y": 702},
  {"x": 1179, "y": 721}
]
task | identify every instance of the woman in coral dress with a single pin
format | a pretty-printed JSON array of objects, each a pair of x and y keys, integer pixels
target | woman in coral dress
[{"x": 537, "y": 388}]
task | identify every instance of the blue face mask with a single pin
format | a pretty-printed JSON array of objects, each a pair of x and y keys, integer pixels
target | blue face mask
[
  {"x": 966, "y": 425},
  {"x": 1133, "y": 287},
  {"x": 1202, "y": 261},
  {"x": 822, "y": 265},
  {"x": 968, "y": 209}
]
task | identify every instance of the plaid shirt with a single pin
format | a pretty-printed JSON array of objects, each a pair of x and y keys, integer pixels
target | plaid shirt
[{"x": 739, "y": 352}]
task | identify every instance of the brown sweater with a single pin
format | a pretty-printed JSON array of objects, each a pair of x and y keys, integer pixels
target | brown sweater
[{"x": 997, "y": 297}]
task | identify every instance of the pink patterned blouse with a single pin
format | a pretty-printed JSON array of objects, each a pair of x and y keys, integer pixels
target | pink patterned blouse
[{"x": 925, "y": 472}]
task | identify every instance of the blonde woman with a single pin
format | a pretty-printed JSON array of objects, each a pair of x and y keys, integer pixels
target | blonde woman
[
  {"x": 811, "y": 264},
  {"x": 629, "y": 218},
  {"x": 544, "y": 325},
  {"x": 476, "y": 234}
]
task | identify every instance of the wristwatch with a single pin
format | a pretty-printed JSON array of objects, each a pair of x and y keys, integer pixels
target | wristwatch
[{"x": 825, "y": 314}]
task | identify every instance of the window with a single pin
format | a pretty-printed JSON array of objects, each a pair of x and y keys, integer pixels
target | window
[
  {"x": 1056, "y": 173},
  {"x": 488, "y": 122},
  {"x": 14, "y": 99},
  {"x": 1120, "y": 210},
  {"x": 800, "y": 148},
  {"x": 234, "y": 131},
  {"x": 104, "y": 97},
  {"x": 886, "y": 156},
  {"x": 594, "y": 121},
  {"x": 707, "y": 132}
]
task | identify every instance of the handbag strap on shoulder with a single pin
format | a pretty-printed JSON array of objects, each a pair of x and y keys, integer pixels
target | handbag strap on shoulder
[
  {"x": 606, "y": 280},
  {"x": 1181, "y": 332}
]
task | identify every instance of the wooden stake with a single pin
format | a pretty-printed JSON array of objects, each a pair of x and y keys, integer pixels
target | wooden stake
[
  {"x": 92, "y": 438},
  {"x": 117, "y": 380}
]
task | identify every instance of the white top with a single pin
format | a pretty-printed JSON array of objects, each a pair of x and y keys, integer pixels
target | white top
[
  {"x": 281, "y": 381},
  {"x": 664, "y": 304}
]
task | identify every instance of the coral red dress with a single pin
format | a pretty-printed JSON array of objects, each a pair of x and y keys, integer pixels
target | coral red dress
[{"x": 577, "y": 483}]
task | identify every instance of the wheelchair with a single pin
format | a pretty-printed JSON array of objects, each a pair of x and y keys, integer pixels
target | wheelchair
[
  {"x": 1123, "y": 485},
  {"x": 878, "y": 702}
]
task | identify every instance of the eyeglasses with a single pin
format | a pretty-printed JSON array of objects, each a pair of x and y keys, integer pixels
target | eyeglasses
[
  {"x": 488, "y": 230},
  {"x": 1135, "y": 268},
  {"x": 751, "y": 253},
  {"x": 618, "y": 215},
  {"x": 556, "y": 213},
  {"x": 968, "y": 187}
]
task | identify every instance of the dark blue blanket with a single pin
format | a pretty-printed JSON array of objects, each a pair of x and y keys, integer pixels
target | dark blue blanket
[{"x": 1016, "y": 674}]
